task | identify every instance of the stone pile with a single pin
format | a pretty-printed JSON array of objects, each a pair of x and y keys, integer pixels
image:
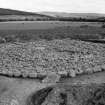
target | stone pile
[{"x": 64, "y": 57}]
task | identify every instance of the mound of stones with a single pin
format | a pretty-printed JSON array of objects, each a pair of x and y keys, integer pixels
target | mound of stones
[{"x": 64, "y": 57}]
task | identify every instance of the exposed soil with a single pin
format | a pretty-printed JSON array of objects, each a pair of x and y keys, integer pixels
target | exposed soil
[
  {"x": 18, "y": 88},
  {"x": 69, "y": 91}
]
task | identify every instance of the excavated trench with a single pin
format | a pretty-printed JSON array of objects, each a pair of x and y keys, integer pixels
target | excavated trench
[{"x": 80, "y": 90}]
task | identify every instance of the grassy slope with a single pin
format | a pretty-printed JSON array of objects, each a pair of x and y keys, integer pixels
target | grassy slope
[
  {"x": 16, "y": 12},
  {"x": 75, "y": 32},
  {"x": 15, "y": 15},
  {"x": 83, "y": 15}
]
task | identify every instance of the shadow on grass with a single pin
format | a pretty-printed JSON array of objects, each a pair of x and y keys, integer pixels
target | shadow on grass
[{"x": 39, "y": 97}]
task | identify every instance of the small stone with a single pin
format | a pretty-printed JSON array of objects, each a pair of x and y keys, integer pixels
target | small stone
[
  {"x": 72, "y": 73},
  {"x": 24, "y": 75},
  {"x": 97, "y": 69},
  {"x": 4, "y": 72},
  {"x": 79, "y": 71},
  {"x": 103, "y": 67},
  {"x": 10, "y": 73},
  {"x": 32, "y": 75},
  {"x": 62, "y": 73},
  {"x": 51, "y": 78},
  {"x": 89, "y": 70},
  {"x": 17, "y": 74},
  {"x": 14, "y": 102}
]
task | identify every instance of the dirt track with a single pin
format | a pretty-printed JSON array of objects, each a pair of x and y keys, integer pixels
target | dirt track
[
  {"x": 19, "y": 88},
  {"x": 22, "y": 88}
]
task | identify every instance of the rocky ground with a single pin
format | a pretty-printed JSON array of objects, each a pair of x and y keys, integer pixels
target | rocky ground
[
  {"x": 63, "y": 57},
  {"x": 80, "y": 64}
]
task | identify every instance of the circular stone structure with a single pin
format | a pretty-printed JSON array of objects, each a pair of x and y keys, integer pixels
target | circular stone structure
[{"x": 56, "y": 58}]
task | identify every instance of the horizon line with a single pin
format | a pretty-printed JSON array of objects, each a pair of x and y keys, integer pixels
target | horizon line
[{"x": 52, "y": 11}]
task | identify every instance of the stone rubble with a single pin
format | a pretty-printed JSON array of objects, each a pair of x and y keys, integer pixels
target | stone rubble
[{"x": 64, "y": 57}]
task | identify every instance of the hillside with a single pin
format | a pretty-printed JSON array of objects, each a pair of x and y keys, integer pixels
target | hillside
[
  {"x": 77, "y": 15},
  {"x": 15, "y": 15},
  {"x": 16, "y": 12}
]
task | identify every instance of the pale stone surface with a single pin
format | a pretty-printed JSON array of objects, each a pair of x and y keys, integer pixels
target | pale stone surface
[
  {"x": 14, "y": 102},
  {"x": 51, "y": 78}
]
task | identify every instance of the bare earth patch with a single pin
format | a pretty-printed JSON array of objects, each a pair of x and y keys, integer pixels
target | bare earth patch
[{"x": 24, "y": 90}]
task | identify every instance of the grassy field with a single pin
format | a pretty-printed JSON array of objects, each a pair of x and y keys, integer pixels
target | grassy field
[
  {"x": 23, "y": 88},
  {"x": 24, "y": 25},
  {"x": 25, "y": 31}
]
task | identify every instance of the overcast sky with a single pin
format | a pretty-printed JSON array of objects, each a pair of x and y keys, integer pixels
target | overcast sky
[{"x": 92, "y": 6}]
